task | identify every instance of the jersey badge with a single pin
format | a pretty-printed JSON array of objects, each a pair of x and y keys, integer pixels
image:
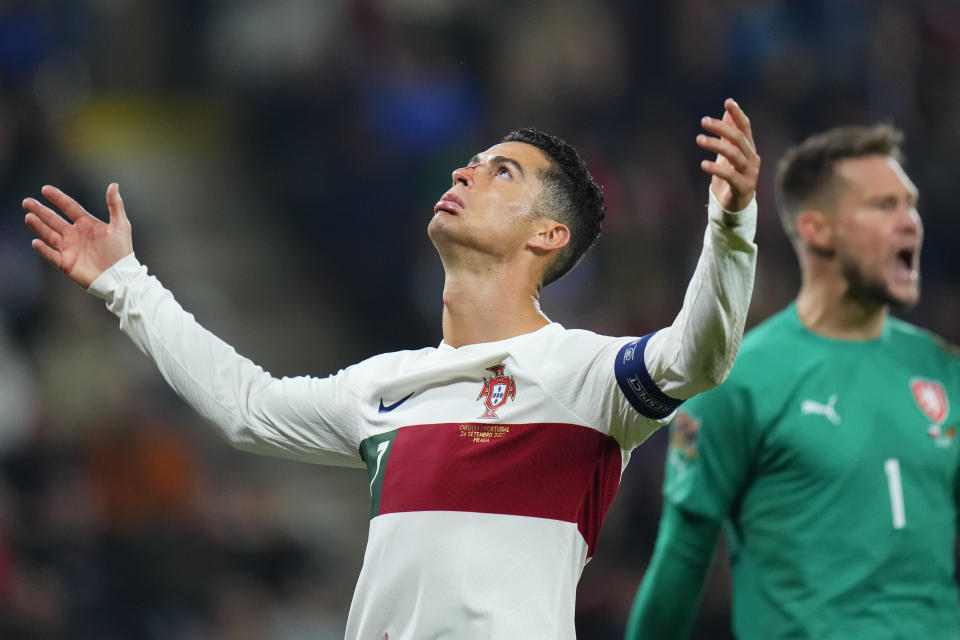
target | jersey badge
[
  {"x": 943, "y": 438},
  {"x": 683, "y": 435},
  {"x": 828, "y": 411},
  {"x": 931, "y": 398},
  {"x": 496, "y": 390}
]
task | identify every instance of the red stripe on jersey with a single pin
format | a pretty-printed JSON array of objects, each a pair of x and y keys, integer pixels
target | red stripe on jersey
[{"x": 546, "y": 470}]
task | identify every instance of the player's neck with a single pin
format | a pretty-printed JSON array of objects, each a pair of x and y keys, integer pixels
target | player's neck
[
  {"x": 489, "y": 307},
  {"x": 825, "y": 308}
]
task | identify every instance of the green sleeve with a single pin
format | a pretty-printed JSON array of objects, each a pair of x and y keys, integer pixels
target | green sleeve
[
  {"x": 669, "y": 595},
  {"x": 712, "y": 451}
]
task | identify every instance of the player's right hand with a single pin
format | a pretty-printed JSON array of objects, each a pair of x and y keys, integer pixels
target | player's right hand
[{"x": 77, "y": 243}]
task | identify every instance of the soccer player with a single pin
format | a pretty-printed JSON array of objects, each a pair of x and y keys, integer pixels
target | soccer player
[
  {"x": 829, "y": 456},
  {"x": 493, "y": 457}
]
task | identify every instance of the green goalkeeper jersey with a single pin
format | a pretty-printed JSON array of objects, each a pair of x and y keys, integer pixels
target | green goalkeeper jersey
[{"x": 834, "y": 466}]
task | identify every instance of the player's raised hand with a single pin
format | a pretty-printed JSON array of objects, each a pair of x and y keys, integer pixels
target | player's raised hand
[
  {"x": 737, "y": 166},
  {"x": 77, "y": 243}
]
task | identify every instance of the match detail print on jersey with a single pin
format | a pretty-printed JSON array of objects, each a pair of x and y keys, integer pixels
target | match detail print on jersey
[
  {"x": 543, "y": 470},
  {"x": 637, "y": 385}
]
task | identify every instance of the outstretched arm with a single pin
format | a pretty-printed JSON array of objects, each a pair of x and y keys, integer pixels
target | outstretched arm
[
  {"x": 697, "y": 351},
  {"x": 77, "y": 243},
  {"x": 303, "y": 418}
]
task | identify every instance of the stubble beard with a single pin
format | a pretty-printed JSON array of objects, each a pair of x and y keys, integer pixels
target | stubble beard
[{"x": 873, "y": 291}]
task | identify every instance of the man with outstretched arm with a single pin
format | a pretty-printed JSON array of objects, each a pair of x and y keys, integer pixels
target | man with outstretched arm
[{"x": 493, "y": 457}]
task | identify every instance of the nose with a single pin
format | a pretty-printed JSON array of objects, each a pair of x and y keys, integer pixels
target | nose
[
  {"x": 464, "y": 175},
  {"x": 910, "y": 221}
]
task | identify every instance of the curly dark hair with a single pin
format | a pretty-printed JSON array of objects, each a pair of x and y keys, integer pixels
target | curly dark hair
[
  {"x": 805, "y": 173},
  {"x": 570, "y": 195}
]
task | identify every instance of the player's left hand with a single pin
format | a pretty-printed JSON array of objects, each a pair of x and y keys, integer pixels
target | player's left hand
[{"x": 737, "y": 167}]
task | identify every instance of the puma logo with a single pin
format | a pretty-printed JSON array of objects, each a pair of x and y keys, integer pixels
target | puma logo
[{"x": 812, "y": 407}]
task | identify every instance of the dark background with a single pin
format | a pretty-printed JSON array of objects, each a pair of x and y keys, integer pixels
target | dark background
[{"x": 279, "y": 161}]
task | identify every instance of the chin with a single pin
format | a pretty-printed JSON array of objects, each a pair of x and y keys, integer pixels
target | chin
[
  {"x": 902, "y": 298},
  {"x": 903, "y": 302},
  {"x": 895, "y": 293},
  {"x": 435, "y": 230}
]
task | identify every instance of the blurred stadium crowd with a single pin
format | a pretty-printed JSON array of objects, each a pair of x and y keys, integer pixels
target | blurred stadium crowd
[{"x": 279, "y": 161}]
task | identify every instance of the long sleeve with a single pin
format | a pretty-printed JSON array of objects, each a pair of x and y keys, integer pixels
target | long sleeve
[
  {"x": 302, "y": 418},
  {"x": 697, "y": 351},
  {"x": 670, "y": 592}
]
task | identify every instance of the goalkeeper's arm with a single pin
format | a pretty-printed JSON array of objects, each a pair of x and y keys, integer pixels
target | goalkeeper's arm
[{"x": 671, "y": 589}]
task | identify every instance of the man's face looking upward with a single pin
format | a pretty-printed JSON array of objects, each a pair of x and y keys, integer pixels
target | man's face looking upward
[{"x": 492, "y": 204}]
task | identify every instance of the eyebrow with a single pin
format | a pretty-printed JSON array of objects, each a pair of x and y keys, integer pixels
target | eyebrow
[
  {"x": 498, "y": 160},
  {"x": 914, "y": 194}
]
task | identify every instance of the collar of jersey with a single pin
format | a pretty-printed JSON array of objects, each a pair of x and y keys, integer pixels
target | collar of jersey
[
  {"x": 549, "y": 328},
  {"x": 798, "y": 325}
]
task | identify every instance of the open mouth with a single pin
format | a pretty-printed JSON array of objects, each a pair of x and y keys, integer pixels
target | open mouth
[
  {"x": 905, "y": 264},
  {"x": 906, "y": 257}
]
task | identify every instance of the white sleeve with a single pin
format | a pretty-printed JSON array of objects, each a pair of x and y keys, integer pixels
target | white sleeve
[
  {"x": 303, "y": 418},
  {"x": 697, "y": 351}
]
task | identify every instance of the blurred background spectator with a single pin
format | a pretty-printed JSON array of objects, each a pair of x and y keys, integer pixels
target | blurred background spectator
[{"x": 279, "y": 161}]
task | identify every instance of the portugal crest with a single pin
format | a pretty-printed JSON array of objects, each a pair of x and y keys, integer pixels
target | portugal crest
[
  {"x": 496, "y": 390},
  {"x": 931, "y": 398}
]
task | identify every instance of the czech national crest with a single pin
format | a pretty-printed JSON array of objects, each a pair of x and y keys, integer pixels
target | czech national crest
[
  {"x": 931, "y": 398},
  {"x": 496, "y": 390}
]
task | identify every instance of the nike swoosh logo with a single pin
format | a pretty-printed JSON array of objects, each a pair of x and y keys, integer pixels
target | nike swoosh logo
[{"x": 391, "y": 407}]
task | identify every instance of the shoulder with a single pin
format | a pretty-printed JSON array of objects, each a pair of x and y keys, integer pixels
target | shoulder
[
  {"x": 764, "y": 368},
  {"x": 902, "y": 331},
  {"x": 582, "y": 336},
  {"x": 781, "y": 326},
  {"x": 554, "y": 342},
  {"x": 393, "y": 361},
  {"x": 924, "y": 350},
  {"x": 766, "y": 346}
]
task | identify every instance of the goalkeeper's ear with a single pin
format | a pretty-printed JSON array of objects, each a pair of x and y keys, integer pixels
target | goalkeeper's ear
[{"x": 815, "y": 231}]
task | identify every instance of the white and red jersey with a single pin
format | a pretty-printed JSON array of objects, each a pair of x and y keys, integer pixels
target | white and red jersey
[{"x": 490, "y": 466}]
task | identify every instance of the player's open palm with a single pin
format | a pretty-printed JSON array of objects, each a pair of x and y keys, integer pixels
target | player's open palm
[
  {"x": 737, "y": 167},
  {"x": 77, "y": 243}
]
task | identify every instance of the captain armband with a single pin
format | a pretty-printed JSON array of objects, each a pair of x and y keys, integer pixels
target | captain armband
[{"x": 637, "y": 385}]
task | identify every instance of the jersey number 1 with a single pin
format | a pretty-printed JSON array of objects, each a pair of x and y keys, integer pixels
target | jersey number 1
[{"x": 892, "y": 467}]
